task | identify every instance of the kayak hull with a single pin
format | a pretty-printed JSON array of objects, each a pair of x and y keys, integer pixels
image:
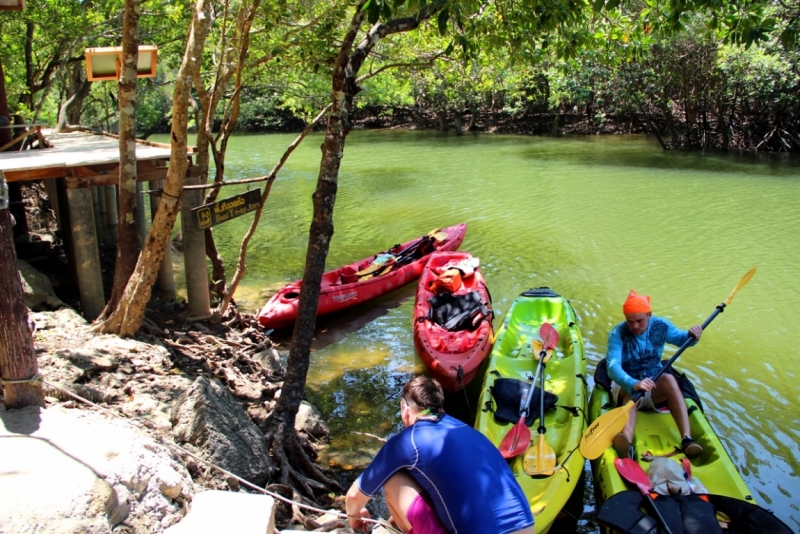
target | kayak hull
[
  {"x": 511, "y": 357},
  {"x": 452, "y": 358},
  {"x": 281, "y": 309}
]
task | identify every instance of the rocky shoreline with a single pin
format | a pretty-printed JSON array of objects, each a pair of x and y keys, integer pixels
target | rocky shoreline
[{"x": 207, "y": 387}]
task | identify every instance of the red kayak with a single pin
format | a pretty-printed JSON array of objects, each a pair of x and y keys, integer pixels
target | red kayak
[
  {"x": 363, "y": 280},
  {"x": 452, "y": 318}
]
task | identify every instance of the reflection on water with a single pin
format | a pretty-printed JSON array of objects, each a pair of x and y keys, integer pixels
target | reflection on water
[{"x": 591, "y": 218}]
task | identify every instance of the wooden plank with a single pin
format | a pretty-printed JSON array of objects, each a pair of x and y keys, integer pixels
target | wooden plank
[
  {"x": 35, "y": 174},
  {"x": 17, "y": 139}
]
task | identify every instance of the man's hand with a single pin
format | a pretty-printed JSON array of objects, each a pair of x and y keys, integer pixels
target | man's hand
[
  {"x": 357, "y": 523},
  {"x": 696, "y": 331},
  {"x": 644, "y": 385}
]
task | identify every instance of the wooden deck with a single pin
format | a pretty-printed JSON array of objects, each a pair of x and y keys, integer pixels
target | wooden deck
[{"x": 82, "y": 156}]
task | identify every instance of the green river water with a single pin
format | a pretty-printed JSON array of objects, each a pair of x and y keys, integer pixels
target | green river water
[{"x": 588, "y": 217}]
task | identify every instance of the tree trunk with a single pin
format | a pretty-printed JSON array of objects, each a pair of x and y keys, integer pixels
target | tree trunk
[
  {"x": 473, "y": 119},
  {"x": 442, "y": 116},
  {"x": 129, "y": 314},
  {"x": 69, "y": 116},
  {"x": 129, "y": 243},
  {"x": 459, "y": 123},
  {"x": 282, "y": 438},
  {"x": 17, "y": 357}
]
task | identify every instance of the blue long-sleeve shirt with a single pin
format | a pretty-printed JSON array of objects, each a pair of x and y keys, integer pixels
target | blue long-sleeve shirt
[
  {"x": 469, "y": 483},
  {"x": 631, "y": 358}
]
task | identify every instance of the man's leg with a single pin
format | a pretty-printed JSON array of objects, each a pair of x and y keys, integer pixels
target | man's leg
[
  {"x": 667, "y": 388},
  {"x": 401, "y": 490},
  {"x": 624, "y": 439}
]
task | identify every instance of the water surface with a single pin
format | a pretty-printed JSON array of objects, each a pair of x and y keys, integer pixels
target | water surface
[{"x": 590, "y": 218}]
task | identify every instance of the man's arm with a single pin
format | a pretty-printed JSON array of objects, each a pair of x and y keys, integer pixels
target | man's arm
[
  {"x": 354, "y": 504},
  {"x": 677, "y": 337},
  {"x": 614, "y": 362}
]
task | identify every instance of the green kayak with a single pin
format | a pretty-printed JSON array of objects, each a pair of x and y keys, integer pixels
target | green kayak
[
  {"x": 656, "y": 435},
  {"x": 565, "y": 421}
]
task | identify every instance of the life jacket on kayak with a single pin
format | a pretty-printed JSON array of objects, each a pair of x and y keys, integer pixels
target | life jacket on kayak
[
  {"x": 447, "y": 282},
  {"x": 627, "y": 512}
]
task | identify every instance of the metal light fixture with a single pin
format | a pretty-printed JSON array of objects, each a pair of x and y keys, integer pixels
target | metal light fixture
[
  {"x": 104, "y": 63},
  {"x": 12, "y": 5}
]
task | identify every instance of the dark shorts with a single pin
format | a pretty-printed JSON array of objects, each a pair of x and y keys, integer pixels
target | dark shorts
[{"x": 423, "y": 518}]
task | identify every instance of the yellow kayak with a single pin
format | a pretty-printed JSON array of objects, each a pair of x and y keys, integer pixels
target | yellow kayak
[
  {"x": 565, "y": 371},
  {"x": 656, "y": 435}
]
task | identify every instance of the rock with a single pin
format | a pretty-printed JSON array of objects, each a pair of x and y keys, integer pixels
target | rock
[
  {"x": 213, "y": 512},
  {"x": 37, "y": 288},
  {"x": 208, "y": 417},
  {"x": 81, "y": 471},
  {"x": 271, "y": 360},
  {"x": 309, "y": 420},
  {"x": 64, "y": 318}
]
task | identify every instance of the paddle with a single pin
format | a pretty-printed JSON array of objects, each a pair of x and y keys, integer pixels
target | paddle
[
  {"x": 518, "y": 438},
  {"x": 541, "y": 458},
  {"x": 384, "y": 262},
  {"x": 601, "y": 432},
  {"x": 633, "y": 473}
]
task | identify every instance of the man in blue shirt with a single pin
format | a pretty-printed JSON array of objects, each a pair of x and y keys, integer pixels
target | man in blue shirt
[
  {"x": 439, "y": 475},
  {"x": 633, "y": 356}
]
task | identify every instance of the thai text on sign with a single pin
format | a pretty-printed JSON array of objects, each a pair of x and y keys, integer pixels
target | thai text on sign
[{"x": 209, "y": 215}]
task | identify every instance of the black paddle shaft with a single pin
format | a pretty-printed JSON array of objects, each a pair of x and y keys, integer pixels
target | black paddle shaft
[{"x": 721, "y": 308}]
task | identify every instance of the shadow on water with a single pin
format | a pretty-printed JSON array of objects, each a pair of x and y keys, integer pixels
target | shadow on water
[
  {"x": 631, "y": 155},
  {"x": 333, "y": 328}
]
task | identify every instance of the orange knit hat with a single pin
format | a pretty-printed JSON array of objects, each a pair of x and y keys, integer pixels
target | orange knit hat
[{"x": 636, "y": 303}]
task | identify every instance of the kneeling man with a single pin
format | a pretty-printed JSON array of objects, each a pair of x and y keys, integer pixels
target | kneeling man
[{"x": 440, "y": 475}]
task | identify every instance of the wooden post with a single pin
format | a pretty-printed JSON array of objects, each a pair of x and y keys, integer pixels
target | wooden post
[
  {"x": 141, "y": 221},
  {"x": 87, "y": 257},
  {"x": 194, "y": 253},
  {"x": 18, "y": 363},
  {"x": 166, "y": 278},
  {"x": 17, "y": 357},
  {"x": 102, "y": 214},
  {"x": 52, "y": 195},
  {"x": 112, "y": 215},
  {"x": 99, "y": 216}
]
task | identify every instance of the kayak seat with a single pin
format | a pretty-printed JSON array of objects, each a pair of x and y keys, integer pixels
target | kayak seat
[
  {"x": 508, "y": 393},
  {"x": 602, "y": 379},
  {"x": 689, "y": 514},
  {"x": 348, "y": 275}
]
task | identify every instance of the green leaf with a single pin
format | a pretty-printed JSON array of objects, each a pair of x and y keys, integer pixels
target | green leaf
[
  {"x": 598, "y": 5},
  {"x": 611, "y": 4},
  {"x": 788, "y": 37},
  {"x": 373, "y": 11},
  {"x": 441, "y": 20}
]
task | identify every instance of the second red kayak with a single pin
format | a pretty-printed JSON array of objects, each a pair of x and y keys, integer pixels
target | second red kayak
[
  {"x": 452, "y": 318},
  {"x": 363, "y": 280}
]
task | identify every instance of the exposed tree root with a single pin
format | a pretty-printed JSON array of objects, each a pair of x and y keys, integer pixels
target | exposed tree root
[{"x": 296, "y": 469}]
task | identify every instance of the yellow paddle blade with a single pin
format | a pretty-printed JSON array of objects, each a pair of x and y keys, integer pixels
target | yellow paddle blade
[
  {"x": 537, "y": 347},
  {"x": 540, "y": 459},
  {"x": 439, "y": 236},
  {"x": 601, "y": 432},
  {"x": 746, "y": 278}
]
